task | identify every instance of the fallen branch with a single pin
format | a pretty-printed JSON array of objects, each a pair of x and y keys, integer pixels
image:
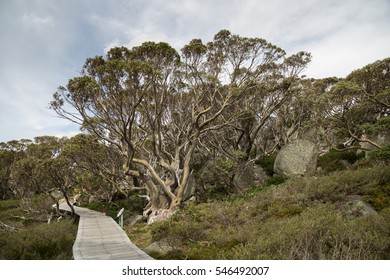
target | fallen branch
[
  {"x": 5, "y": 227},
  {"x": 19, "y": 217},
  {"x": 41, "y": 218}
]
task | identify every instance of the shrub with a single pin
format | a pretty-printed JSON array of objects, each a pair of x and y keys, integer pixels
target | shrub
[
  {"x": 12, "y": 215},
  {"x": 218, "y": 171},
  {"x": 39, "y": 242},
  {"x": 337, "y": 185},
  {"x": 9, "y": 204},
  {"x": 382, "y": 155},
  {"x": 380, "y": 198},
  {"x": 337, "y": 160},
  {"x": 320, "y": 232},
  {"x": 140, "y": 234},
  {"x": 217, "y": 178},
  {"x": 267, "y": 163},
  {"x": 34, "y": 239},
  {"x": 275, "y": 180},
  {"x": 133, "y": 205},
  {"x": 302, "y": 218}
]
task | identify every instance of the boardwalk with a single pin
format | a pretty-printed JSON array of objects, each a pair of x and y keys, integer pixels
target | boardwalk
[{"x": 99, "y": 237}]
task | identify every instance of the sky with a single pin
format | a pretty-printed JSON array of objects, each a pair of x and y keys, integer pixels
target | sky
[{"x": 44, "y": 43}]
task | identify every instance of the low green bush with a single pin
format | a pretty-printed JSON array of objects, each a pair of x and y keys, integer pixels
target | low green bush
[
  {"x": 9, "y": 204},
  {"x": 216, "y": 176},
  {"x": 39, "y": 242},
  {"x": 380, "y": 198},
  {"x": 31, "y": 238},
  {"x": 140, "y": 234},
  {"x": 302, "y": 218},
  {"x": 335, "y": 186},
  {"x": 382, "y": 155},
  {"x": 275, "y": 180},
  {"x": 267, "y": 163},
  {"x": 337, "y": 160},
  {"x": 320, "y": 232},
  {"x": 133, "y": 205}
]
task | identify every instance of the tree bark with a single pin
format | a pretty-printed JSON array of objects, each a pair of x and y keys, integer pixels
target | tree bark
[
  {"x": 184, "y": 180},
  {"x": 69, "y": 204}
]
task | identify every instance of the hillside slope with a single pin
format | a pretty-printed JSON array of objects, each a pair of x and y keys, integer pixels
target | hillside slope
[{"x": 322, "y": 217}]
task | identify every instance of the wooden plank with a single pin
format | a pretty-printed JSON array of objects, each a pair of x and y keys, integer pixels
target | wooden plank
[{"x": 99, "y": 237}]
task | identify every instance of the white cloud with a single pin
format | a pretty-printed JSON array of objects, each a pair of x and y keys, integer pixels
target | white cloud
[
  {"x": 136, "y": 40},
  {"x": 112, "y": 44},
  {"x": 355, "y": 41},
  {"x": 44, "y": 43},
  {"x": 38, "y": 21},
  {"x": 107, "y": 24},
  {"x": 336, "y": 57},
  {"x": 24, "y": 111}
]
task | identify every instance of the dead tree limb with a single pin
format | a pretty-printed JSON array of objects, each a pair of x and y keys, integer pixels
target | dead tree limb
[{"x": 5, "y": 227}]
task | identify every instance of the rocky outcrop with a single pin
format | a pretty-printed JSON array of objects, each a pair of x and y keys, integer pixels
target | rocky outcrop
[
  {"x": 382, "y": 139},
  {"x": 190, "y": 189},
  {"x": 298, "y": 158},
  {"x": 160, "y": 215},
  {"x": 160, "y": 247},
  {"x": 133, "y": 220},
  {"x": 249, "y": 175},
  {"x": 356, "y": 207}
]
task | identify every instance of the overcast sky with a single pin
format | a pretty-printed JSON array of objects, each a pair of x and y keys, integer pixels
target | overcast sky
[{"x": 44, "y": 43}]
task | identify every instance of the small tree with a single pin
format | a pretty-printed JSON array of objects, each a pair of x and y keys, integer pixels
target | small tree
[
  {"x": 357, "y": 107},
  {"x": 61, "y": 174},
  {"x": 10, "y": 153},
  {"x": 100, "y": 167},
  {"x": 41, "y": 171}
]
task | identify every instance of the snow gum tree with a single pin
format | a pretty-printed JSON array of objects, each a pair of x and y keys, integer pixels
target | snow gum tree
[{"x": 155, "y": 106}]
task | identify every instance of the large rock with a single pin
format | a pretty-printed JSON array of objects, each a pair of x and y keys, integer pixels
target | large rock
[
  {"x": 190, "y": 189},
  {"x": 161, "y": 247},
  {"x": 356, "y": 207},
  {"x": 382, "y": 139},
  {"x": 133, "y": 220},
  {"x": 160, "y": 215},
  {"x": 249, "y": 175},
  {"x": 298, "y": 158}
]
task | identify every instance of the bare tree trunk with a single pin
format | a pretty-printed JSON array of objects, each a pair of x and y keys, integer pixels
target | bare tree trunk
[
  {"x": 56, "y": 202},
  {"x": 154, "y": 194},
  {"x": 69, "y": 204}
]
